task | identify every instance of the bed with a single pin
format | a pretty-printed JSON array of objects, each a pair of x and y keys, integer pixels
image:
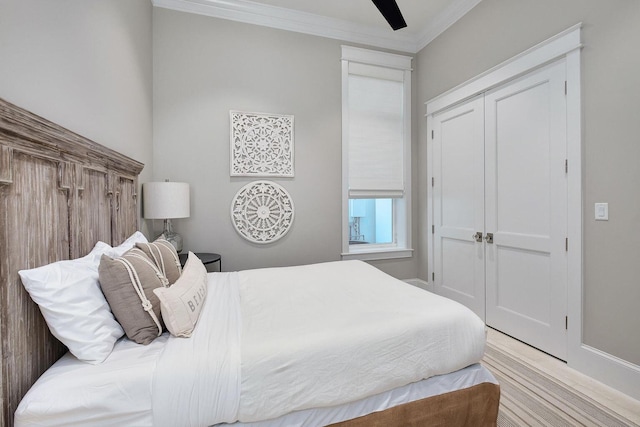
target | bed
[{"x": 325, "y": 344}]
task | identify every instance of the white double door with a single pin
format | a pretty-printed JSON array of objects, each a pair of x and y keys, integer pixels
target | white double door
[{"x": 500, "y": 207}]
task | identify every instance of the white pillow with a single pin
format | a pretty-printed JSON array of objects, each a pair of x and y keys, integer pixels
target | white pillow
[
  {"x": 180, "y": 304},
  {"x": 131, "y": 241},
  {"x": 73, "y": 305}
]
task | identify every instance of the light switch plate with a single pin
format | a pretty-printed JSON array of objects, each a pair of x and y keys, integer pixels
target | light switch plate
[{"x": 602, "y": 211}]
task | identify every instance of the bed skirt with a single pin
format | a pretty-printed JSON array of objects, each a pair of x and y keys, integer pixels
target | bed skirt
[{"x": 475, "y": 406}]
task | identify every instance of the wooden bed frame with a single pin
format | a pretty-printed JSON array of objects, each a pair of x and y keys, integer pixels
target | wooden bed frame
[{"x": 60, "y": 193}]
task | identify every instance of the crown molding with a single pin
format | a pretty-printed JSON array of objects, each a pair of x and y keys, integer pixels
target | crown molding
[
  {"x": 291, "y": 20},
  {"x": 444, "y": 20}
]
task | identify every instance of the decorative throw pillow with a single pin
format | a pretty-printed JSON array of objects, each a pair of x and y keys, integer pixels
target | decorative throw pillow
[
  {"x": 73, "y": 306},
  {"x": 164, "y": 256},
  {"x": 128, "y": 283},
  {"x": 181, "y": 303}
]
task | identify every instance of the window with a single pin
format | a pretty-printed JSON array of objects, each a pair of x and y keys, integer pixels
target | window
[
  {"x": 370, "y": 221},
  {"x": 376, "y": 150}
]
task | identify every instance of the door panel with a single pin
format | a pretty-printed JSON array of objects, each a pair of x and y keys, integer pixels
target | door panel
[
  {"x": 526, "y": 209},
  {"x": 530, "y": 270},
  {"x": 458, "y": 143},
  {"x": 457, "y": 272}
]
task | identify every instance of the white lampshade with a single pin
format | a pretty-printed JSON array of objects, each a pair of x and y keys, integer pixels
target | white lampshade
[{"x": 165, "y": 200}]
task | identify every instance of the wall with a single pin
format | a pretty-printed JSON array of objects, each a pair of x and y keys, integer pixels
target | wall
[
  {"x": 204, "y": 67},
  {"x": 85, "y": 65},
  {"x": 496, "y": 30}
]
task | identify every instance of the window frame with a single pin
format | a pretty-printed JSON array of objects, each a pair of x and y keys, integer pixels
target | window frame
[{"x": 401, "y": 245}]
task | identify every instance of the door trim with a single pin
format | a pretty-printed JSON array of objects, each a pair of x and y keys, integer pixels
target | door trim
[
  {"x": 547, "y": 51},
  {"x": 600, "y": 365}
]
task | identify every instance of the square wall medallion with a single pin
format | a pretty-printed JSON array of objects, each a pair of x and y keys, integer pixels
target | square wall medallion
[{"x": 261, "y": 144}]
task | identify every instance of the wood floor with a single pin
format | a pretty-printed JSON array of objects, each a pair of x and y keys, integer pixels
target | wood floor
[{"x": 605, "y": 395}]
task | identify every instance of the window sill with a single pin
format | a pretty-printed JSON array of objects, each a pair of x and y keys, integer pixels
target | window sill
[{"x": 371, "y": 254}]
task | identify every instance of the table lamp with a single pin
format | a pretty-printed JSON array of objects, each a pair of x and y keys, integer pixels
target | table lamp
[{"x": 166, "y": 200}]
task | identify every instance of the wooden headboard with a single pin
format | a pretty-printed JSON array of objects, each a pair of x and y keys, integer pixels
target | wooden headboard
[{"x": 60, "y": 193}]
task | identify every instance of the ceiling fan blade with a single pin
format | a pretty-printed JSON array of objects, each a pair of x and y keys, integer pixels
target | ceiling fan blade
[{"x": 391, "y": 12}]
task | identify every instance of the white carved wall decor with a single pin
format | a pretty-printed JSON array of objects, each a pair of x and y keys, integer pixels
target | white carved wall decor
[
  {"x": 262, "y": 212},
  {"x": 261, "y": 144}
]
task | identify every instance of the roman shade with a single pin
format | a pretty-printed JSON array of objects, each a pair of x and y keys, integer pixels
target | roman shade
[{"x": 376, "y": 131}]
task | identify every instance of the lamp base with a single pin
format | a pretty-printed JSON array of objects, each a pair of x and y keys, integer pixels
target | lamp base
[{"x": 170, "y": 236}]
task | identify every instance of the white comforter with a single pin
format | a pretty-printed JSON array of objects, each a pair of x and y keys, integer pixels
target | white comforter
[
  {"x": 269, "y": 342},
  {"x": 197, "y": 379},
  {"x": 323, "y": 334},
  {"x": 309, "y": 336}
]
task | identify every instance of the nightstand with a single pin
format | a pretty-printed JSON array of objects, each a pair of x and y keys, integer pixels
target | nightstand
[{"x": 205, "y": 257}]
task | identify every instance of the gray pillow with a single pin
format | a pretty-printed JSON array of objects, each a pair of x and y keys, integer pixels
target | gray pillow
[
  {"x": 164, "y": 256},
  {"x": 128, "y": 283}
]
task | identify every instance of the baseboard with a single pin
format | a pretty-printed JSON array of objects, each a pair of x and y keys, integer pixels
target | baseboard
[
  {"x": 599, "y": 365},
  {"x": 608, "y": 369},
  {"x": 420, "y": 284}
]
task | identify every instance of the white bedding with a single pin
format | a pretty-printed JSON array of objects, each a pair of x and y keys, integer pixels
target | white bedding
[
  {"x": 114, "y": 393},
  {"x": 197, "y": 380},
  {"x": 439, "y": 384},
  {"x": 344, "y": 302},
  {"x": 324, "y": 334}
]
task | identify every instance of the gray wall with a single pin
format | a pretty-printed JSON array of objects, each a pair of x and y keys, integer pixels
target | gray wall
[
  {"x": 204, "y": 67},
  {"x": 494, "y": 31},
  {"x": 85, "y": 65}
]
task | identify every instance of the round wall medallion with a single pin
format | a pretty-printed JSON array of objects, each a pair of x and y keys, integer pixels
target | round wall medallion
[{"x": 262, "y": 212}]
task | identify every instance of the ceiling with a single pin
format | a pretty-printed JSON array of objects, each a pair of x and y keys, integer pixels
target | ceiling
[
  {"x": 356, "y": 21},
  {"x": 416, "y": 12}
]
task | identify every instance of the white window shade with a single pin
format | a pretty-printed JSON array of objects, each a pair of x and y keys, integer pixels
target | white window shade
[{"x": 376, "y": 136}]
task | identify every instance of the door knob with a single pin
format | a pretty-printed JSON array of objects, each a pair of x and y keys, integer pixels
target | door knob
[
  {"x": 489, "y": 237},
  {"x": 477, "y": 237}
]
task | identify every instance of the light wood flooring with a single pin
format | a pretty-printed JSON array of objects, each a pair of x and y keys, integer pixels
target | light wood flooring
[{"x": 603, "y": 394}]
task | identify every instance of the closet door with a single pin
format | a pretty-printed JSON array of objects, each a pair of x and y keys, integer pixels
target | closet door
[
  {"x": 458, "y": 210},
  {"x": 526, "y": 209}
]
